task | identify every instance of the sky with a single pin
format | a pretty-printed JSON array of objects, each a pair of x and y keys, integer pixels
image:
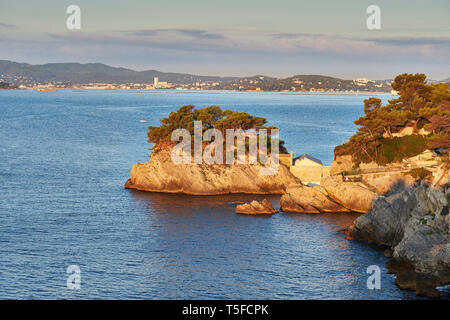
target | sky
[{"x": 235, "y": 38}]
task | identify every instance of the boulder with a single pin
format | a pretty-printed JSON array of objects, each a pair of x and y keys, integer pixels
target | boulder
[
  {"x": 332, "y": 195},
  {"x": 256, "y": 207},
  {"x": 353, "y": 196},
  {"x": 385, "y": 181}
]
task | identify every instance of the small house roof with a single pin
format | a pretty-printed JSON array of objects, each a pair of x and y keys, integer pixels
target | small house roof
[{"x": 307, "y": 156}]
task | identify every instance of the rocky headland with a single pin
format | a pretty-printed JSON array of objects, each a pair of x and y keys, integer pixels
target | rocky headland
[
  {"x": 161, "y": 174},
  {"x": 414, "y": 222},
  {"x": 394, "y": 169}
]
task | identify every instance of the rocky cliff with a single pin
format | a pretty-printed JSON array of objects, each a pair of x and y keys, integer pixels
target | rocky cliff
[
  {"x": 160, "y": 174},
  {"x": 414, "y": 222},
  {"x": 333, "y": 195}
]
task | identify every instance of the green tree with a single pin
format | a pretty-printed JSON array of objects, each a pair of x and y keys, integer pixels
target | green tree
[
  {"x": 419, "y": 103},
  {"x": 183, "y": 118},
  {"x": 211, "y": 117},
  {"x": 440, "y": 126}
]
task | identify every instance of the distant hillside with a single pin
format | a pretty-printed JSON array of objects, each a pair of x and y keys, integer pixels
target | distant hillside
[
  {"x": 68, "y": 74},
  {"x": 5, "y": 85},
  {"x": 304, "y": 83},
  {"x": 95, "y": 72}
]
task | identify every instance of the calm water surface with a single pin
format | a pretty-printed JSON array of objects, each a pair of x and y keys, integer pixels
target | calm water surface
[{"x": 65, "y": 156}]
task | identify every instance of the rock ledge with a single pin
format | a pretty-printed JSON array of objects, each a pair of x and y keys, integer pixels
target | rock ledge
[{"x": 256, "y": 207}]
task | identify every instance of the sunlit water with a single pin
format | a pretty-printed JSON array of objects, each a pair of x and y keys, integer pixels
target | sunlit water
[{"x": 65, "y": 156}]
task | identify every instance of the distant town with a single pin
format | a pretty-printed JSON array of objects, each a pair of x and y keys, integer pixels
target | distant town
[
  {"x": 247, "y": 84},
  {"x": 20, "y": 83},
  {"x": 54, "y": 76}
]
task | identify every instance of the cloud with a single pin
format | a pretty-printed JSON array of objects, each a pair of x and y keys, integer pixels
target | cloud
[
  {"x": 192, "y": 33},
  {"x": 411, "y": 41},
  {"x": 294, "y": 35},
  {"x": 352, "y": 46},
  {"x": 197, "y": 50},
  {"x": 181, "y": 40},
  {"x": 184, "y": 43},
  {"x": 7, "y": 26}
]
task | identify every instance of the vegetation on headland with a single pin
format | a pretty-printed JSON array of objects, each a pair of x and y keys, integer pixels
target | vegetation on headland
[
  {"x": 211, "y": 117},
  {"x": 101, "y": 76},
  {"x": 306, "y": 83},
  {"x": 420, "y": 173},
  {"x": 420, "y": 105},
  {"x": 5, "y": 85}
]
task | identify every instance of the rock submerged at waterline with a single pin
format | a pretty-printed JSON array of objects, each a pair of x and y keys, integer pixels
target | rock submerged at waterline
[
  {"x": 255, "y": 207},
  {"x": 332, "y": 195},
  {"x": 414, "y": 222},
  {"x": 161, "y": 174}
]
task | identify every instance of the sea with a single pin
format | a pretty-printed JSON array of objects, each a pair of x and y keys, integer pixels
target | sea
[{"x": 70, "y": 230}]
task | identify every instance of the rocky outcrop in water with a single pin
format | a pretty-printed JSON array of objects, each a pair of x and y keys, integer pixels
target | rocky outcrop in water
[
  {"x": 333, "y": 195},
  {"x": 256, "y": 207},
  {"x": 414, "y": 222},
  {"x": 160, "y": 174}
]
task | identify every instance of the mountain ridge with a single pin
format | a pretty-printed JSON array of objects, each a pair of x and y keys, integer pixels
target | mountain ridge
[
  {"x": 75, "y": 72},
  {"x": 70, "y": 73}
]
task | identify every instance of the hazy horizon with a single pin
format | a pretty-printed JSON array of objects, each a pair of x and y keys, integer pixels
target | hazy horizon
[
  {"x": 224, "y": 76},
  {"x": 234, "y": 38}
]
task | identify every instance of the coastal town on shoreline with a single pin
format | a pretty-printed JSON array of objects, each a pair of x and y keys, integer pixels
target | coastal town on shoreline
[
  {"x": 256, "y": 85},
  {"x": 99, "y": 76}
]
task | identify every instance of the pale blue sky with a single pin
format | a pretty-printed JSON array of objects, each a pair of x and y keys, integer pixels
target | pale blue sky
[{"x": 246, "y": 37}]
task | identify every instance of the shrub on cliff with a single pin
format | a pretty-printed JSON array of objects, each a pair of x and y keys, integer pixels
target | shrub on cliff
[
  {"x": 440, "y": 126},
  {"x": 420, "y": 173}
]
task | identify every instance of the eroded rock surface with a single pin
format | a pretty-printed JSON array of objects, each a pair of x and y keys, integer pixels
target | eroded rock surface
[
  {"x": 160, "y": 174},
  {"x": 256, "y": 207},
  {"x": 333, "y": 195},
  {"x": 414, "y": 222}
]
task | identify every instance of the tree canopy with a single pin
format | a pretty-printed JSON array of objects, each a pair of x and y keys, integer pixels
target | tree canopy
[
  {"x": 419, "y": 104},
  {"x": 211, "y": 117}
]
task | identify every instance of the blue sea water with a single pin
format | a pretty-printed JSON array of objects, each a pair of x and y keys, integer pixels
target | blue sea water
[{"x": 65, "y": 156}]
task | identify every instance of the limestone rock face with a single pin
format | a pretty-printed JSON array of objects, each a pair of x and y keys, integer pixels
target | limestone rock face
[
  {"x": 332, "y": 195},
  {"x": 255, "y": 207},
  {"x": 442, "y": 175},
  {"x": 414, "y": 222},
  {"x": 385, "y": 223},
  {"x": 341, "y": 163},
  {"x": 160, "y": 174},
  {"x": 384, "y": 182},
  {"x": 352, "y": 196}
]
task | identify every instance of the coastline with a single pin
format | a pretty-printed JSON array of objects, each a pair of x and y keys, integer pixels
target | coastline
[{"x": 207, "y": 90}]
